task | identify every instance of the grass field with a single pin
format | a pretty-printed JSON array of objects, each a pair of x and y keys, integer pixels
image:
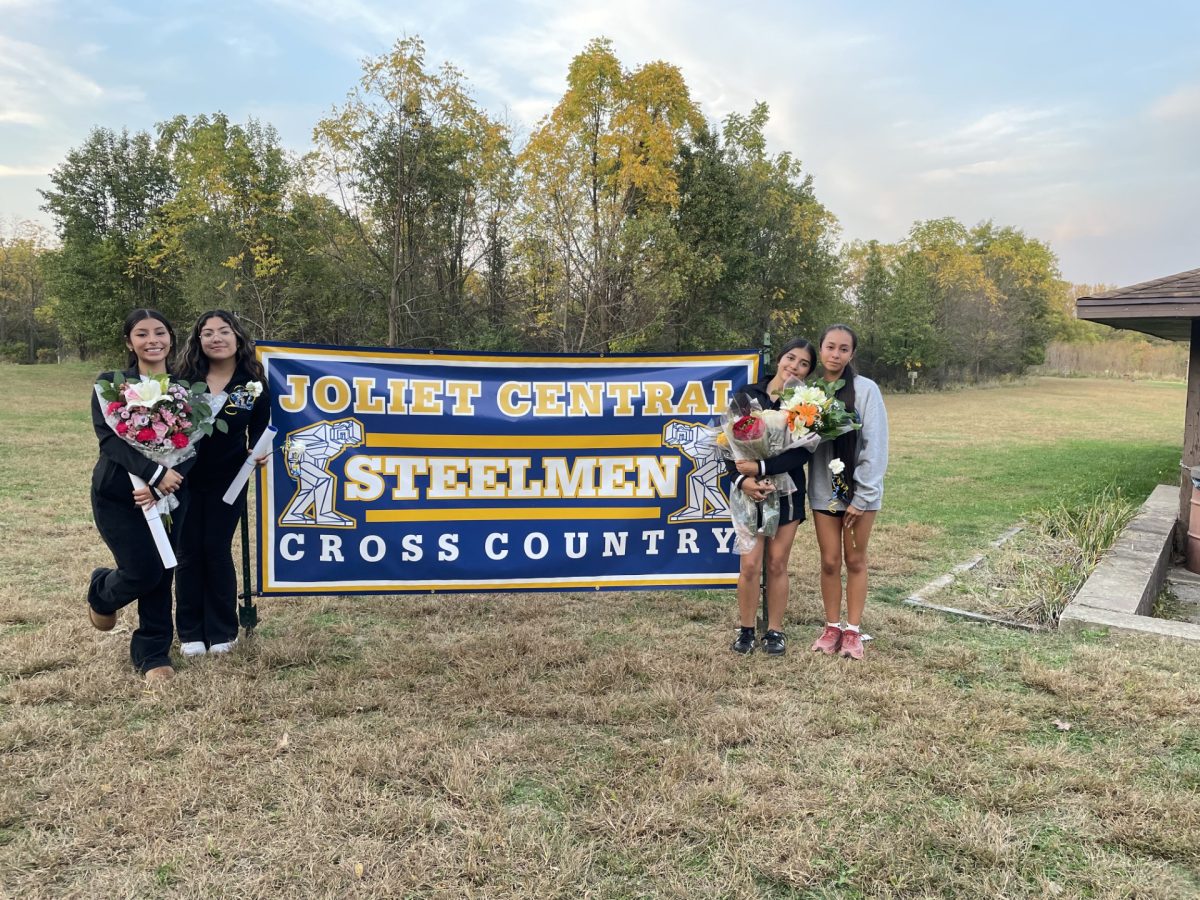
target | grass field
[{"x": 610, "y": 746}]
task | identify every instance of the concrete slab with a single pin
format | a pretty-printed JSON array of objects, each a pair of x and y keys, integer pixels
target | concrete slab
[{"x": 1122, "y": 588}]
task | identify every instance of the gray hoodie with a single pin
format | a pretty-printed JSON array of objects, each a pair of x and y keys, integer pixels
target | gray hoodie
[{"x": 872, "y": 456}]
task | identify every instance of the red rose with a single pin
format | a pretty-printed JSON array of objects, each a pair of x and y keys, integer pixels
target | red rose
[
  {"x": 122, "y": 427},
  {"x": 145, "y": 436},
  {"x": 114, "y": 406},
  {"x": 748, "y": 428},
  {"x": 180, "y": 440}
]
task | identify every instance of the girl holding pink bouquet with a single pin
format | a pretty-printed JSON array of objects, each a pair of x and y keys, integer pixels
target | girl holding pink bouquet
[
  {"x": 139, "y": 574},
  {"x": 845, "y": 491},
  {"x": 795, "y": 362},
  {"x": 220, "y": 354}
]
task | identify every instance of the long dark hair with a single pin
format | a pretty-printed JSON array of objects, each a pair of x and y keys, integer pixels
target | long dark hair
[
  {"x": 845, "y": 447},
  {"x": 139, "y": 315},
  {"x": 796, "y": 344},
  {"x": 194, "y": 365}
]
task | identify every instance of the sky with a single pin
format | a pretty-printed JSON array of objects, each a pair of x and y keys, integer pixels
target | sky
[{"x": 1077, "y": 123}]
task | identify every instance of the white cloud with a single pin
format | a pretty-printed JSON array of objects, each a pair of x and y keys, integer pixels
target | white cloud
[
  {"x": 25, "y": 171},
  {"x": 1182, "y": 104},
  {"x": 40, "y": 74}
]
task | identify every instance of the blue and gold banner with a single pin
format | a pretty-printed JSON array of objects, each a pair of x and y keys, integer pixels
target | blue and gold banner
[{"x": 401, "y": 472}]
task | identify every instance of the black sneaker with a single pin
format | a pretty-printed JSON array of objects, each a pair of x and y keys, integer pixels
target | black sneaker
[
  {"x": 745, "y": 642},
  {"x": 774, "y": 643}
]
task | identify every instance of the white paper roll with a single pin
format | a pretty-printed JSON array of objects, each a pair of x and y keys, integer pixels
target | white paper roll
[
  {"x": 157, "y": 529},
  {"x": 261, "y": 448}
]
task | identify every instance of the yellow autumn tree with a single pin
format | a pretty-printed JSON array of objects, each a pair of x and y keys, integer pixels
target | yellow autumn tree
[{"x": 599, "y": 185}]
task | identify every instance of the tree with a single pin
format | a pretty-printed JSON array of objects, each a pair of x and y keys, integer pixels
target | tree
[
  {"x": 600, "y": 188},
  {"x": 218, "y": 236},
  {"x": 760, "y": 245},
  {"x": 419, "y": 170},
  {"x": 104, "y": 197},
  {"x": 22, "y": 291}
]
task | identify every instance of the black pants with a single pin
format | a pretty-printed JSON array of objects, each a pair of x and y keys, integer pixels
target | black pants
[
  {"x": 139, "y": 576},
  {"x": 206, "y": 589}
]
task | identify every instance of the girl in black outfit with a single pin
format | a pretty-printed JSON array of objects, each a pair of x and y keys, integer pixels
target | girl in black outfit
[
  {"x": 219, "y": 353},
  {"x": 117, "y": 509},
  {"x": 795, "y": 363}
]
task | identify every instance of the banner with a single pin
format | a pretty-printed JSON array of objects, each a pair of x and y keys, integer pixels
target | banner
[{"x": 402, "y": 472}]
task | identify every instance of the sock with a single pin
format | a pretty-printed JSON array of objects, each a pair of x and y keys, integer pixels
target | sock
[
  {"x": 747, "y": 629},
  {"x": 837, "y": 625},
  {"x": 853, "y": 628}
]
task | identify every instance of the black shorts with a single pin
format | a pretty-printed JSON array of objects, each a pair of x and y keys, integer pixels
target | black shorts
[{"x": 837, "y": 513}]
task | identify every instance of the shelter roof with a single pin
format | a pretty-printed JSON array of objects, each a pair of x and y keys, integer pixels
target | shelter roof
[{"x": 1164, "y": 307}]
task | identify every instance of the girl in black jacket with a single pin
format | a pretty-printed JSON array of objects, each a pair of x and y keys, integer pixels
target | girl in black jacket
[
  {"x": 795, "y": 363},
  {"x": 139, "y": 574},
  {"x": 219, "y": 353}
]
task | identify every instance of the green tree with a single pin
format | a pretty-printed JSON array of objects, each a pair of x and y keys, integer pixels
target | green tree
[
  {"x": 103, "y": 199},
  {"x": 23, "y": 292},
  {"x": 420, "y": 170},
  {"x": 218, "y": 237},
  {"x": 761, "y": 247}
]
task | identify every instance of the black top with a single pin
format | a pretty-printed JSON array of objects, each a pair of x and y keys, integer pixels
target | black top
[
  {"x": 221, "y": 454},
  {"x": 117, "y": 456},
  {"x": 790, "y": 461}
]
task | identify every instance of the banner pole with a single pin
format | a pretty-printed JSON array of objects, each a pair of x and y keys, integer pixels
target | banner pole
[
  {"x": 247, "y": 612},
  {"x": 765, "y": 355}
]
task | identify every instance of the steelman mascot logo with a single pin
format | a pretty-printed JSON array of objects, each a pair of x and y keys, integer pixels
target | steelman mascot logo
[
  {"x": 706, "y": 500},
  {"x": 307, "y": 452}
]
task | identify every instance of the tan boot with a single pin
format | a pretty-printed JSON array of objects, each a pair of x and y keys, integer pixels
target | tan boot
[
  {"x": 100, "y": 621},
  {"x": 159, "y": 674}
]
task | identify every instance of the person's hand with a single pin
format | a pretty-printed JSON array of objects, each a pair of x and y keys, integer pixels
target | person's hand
[
  {"x": 262, "y": 460},
  {"x": 170, "y": 482},
  {"x": 756, "y": 490},
  {"x": 143, "y": 497},
  {"x": 850, "y": 519},
  {"x": 747, "y": 466}
]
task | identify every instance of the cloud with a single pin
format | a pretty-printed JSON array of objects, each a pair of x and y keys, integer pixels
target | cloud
[
  {"x": 1182, "y": 104},
  {"x": 25, "y": 171},
  {"x": 38, "y": 74}
]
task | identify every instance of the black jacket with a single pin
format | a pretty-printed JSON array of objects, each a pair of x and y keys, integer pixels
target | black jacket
[
  {"x": 117, "y": 457},
  {"x": 790, "y": 461},
  {"x": 221, "y": 454}
]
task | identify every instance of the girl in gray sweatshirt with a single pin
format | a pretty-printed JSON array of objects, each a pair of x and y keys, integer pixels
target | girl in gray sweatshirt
[{"x": 845, "y": 491}]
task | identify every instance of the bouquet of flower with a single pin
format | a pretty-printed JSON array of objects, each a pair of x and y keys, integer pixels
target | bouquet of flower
[
  {"x": 162, "y": 420},
  {"x": 750, "y": 432},
  {"x": 814, "y": 408}
]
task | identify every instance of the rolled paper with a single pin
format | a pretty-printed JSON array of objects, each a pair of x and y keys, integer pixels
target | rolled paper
[
  {"x": 159, "y": 531},
  {"x": 261, "y": 448}
]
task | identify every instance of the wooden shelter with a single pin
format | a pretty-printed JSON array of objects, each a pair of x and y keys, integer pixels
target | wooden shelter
[{"x": 1166, "y": 308}]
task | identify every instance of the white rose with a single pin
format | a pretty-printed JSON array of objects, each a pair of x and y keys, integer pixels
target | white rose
[
  {"x": 255, "y": 388},
  {"x": 836, "y": 466},
  {"x": 148, "y": 393},
  {"x": 775, "y": 418}
]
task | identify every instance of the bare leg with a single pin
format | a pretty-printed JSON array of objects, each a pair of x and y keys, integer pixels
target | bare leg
[
  {"x": 779, "y": 551},
  {"x": 748, "y": 581},
  {"x": 855, "y": 550},
  {"x": 829, "y": 540}
]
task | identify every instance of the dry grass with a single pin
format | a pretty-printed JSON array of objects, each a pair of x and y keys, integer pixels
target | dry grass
[{"x": 574, "y": 745}]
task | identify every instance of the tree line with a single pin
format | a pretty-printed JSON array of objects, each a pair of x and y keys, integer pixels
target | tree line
[{"x": 625, "y": 222}]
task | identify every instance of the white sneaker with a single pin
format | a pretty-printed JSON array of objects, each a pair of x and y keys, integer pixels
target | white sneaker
[
  {"x": 192, "y": 648},
  {"x": 224, "y": 647}
]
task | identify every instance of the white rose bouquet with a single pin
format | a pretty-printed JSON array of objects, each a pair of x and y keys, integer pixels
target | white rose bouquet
[{"x": 750, "y": 432}]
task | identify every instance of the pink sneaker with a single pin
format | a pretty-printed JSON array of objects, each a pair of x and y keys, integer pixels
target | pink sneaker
[
  {"x": 829, "y": 641},
  {"x": 852, "y": 645}
]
